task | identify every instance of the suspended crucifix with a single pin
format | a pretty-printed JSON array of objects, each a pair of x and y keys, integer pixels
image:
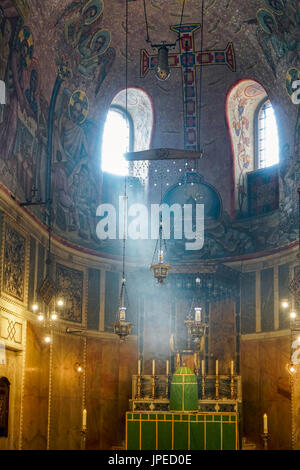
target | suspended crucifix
[{"x": 187, "y": 59}]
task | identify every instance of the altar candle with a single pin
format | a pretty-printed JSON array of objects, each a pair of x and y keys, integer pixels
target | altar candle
[
  {"x": 84, "y": 414},
  {"x": 139, "y": 367},
  {"x": 203, "y": 367},
  {"x": 167, "y": 368},
  {"x": 198, "y": 314},
  {"x": 265, "y": 423},
  {"x": 231, "y": 368},
  {"x": 217, "y": 367},
  {"x": 153, "y": 367}
]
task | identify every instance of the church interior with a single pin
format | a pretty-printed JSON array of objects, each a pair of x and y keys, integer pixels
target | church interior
[{"x": 174, "y": 337}]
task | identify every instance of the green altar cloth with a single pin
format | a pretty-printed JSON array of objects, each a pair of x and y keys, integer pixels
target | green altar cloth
[
  {"x": 181, "y": 431},
  {"x": 184, "y": 390}
]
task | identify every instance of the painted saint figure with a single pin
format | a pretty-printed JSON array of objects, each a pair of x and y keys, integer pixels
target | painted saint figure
[
  {"x": 70, "y": 137},
  {"x": 20, "y": 59}
]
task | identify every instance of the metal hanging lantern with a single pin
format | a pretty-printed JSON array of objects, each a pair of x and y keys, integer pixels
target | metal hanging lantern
[
  {"x": 162, "y": 70},
  {"x": 122, "y": 328},
  {"x": 161, "y": 269}
]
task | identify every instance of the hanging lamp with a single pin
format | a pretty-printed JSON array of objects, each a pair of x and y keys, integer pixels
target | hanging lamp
[
  {"x": 162, "y": 69},
  {"x": 123, "y": 328},
  {"x": 161, "y": 268}
]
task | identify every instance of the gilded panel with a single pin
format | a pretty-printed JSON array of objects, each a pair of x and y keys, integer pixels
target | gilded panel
[
  {"x": 14, "y": 258},
  {"x": 69, "y": 284}
]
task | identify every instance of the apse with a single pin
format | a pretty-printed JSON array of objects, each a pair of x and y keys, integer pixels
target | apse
[{"x": 149, "y": 226}]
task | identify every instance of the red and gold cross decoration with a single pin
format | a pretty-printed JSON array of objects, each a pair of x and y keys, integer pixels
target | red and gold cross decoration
[{"x": 187, "y": 59}]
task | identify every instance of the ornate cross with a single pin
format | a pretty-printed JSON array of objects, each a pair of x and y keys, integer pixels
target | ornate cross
[{"x": 188, "y": 59}]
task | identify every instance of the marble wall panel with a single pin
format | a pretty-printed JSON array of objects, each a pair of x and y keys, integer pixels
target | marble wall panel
[
  {"x": 66, "y": 396},
  {"x": 110, "y": 366},
  {"x": 222, "y": 335},
  {"x": 266, "y": 389},
  {"x": 36, "y": 389}
]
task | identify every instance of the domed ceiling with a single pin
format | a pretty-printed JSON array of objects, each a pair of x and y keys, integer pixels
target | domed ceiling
[{"x": 64, "y": 62}]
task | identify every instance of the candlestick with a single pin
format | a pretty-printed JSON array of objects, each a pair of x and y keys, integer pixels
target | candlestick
[
  {"x": 153, "y": 367},
  {"x": 196, "y": 363},
  {"x": 265, "y": 423},
  {"x": 139, "y": 386},
  {"x": 167, "y": 367},
  {"x": 232, "y": 380},
  {"x": 84, "y": 417},
  {"x": 203, "y": 367},
  {"x": 265, "y": 437}
]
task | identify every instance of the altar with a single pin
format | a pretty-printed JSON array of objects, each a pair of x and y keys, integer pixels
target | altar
[{"x": 191, "y": 413}]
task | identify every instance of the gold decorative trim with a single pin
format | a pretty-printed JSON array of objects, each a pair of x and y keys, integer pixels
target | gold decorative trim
[{"x": 22, "y": 389}]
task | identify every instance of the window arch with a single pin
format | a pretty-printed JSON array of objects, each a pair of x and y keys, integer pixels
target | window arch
[
  {"x": 139, "y": 128},
  {"x": 252, "y": 127}
]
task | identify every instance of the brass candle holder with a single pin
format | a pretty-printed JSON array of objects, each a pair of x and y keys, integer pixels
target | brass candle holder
[
  {"x": 232, "y": 387},
  {"x": 217, "y": 387},
  {"x": 265, "y": 437},
  {"x": 83, "y": 433},
  {"x": 153, "y": 387},
  {"x": 139, "y": 385},
  {"x": 167, "y": 386},
  {"x": 203, "y": 386}
]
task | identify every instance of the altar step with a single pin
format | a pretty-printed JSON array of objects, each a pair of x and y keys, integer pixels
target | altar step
[{"x": 248, "y": 445}]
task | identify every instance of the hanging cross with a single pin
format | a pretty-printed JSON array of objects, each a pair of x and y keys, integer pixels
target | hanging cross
[{"x": 188, "y": 59}]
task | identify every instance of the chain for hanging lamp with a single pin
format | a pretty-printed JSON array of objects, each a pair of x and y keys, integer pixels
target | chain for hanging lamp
[
  {"x": 295, "y": 284},
  {"x": 123, "y": 328}
]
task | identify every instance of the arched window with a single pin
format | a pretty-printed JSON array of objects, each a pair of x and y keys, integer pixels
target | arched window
[
  {"x": 2, "y": 92},
  {"x": 127, "y": 132},
  {"x": 117, "y": 140},
  {"x": 254, "y": 139},
  {"x": 267, "y": 136}
]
